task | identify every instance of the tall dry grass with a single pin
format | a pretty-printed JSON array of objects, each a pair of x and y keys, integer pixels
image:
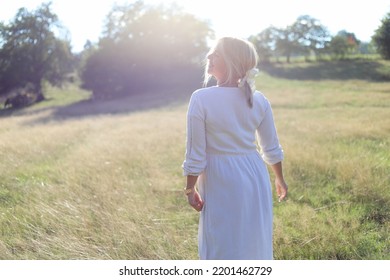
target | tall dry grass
[{"x": 98, "y": 187}]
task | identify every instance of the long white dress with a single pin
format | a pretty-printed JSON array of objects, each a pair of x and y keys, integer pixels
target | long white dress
[{"x": 236, "y": 220}]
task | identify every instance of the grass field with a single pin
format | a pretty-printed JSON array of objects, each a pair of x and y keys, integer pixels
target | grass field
[{"x": 85, "y": 179}]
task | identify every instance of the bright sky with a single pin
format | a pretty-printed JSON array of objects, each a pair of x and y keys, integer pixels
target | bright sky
[{"x": 242, "y": 18}]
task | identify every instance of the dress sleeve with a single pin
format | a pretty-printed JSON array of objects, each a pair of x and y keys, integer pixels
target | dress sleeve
[
  {"x": 269, "y": 143},
  {"x": 195, "y": 158}
]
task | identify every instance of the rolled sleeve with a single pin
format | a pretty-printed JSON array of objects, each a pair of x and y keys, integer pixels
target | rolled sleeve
[
  {"x": 271, "y": 149},
  {"x": 195, "y": 158}
]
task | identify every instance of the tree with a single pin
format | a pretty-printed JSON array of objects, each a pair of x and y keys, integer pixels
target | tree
[
  {"x": 309, "y": 35},
  {"x": 143, "y": 46},
  {"x": 381, "y": 37},
  {"x": 265, "y": 43},
  {"x": 286, "y": 43},
  {"x": 339, "y": 47},
  {"x": 274, "y": 41},
  {"x": 30, "y": 51},
  {"x": 351, "y": 40}
]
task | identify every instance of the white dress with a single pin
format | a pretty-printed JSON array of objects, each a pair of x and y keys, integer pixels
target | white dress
[{"x": 236, "y": 220}]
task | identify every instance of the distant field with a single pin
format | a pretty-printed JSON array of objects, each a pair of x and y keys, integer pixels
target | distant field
[{"x": 91, "y": 180}]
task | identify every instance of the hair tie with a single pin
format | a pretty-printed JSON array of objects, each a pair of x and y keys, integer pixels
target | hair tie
[{"x": 249, "y": 78}]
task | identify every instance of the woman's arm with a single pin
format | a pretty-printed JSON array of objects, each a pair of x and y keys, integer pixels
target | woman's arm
[
  {"x": 194, "y": 198},
  {"x": 195, "y": 161},
  {"x": 191, "y": 181},
  {"x": 280, "y": 184}
]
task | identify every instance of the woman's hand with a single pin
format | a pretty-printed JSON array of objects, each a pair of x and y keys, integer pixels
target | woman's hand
[
  {"x": 280, "y": 184},
  {"x": 195, "y": 200},
  {"x": 281, "y": 189}
]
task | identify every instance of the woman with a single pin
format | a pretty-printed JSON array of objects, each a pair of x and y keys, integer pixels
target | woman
[{"x": 234, "y": 193}]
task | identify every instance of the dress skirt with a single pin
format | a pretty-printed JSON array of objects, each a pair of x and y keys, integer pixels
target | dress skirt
[{"x": 236, "y": 220}]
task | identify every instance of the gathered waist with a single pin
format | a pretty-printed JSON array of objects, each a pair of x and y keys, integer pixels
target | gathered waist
[{"x": 231, "y": 153}]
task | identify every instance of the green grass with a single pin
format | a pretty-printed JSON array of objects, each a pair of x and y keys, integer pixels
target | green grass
[{"x": 103, "y": 180}]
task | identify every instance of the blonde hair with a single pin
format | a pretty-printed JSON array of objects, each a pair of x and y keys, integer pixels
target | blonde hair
[{"x": 240, "y": 58}]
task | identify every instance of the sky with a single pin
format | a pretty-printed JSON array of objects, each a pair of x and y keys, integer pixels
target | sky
[{"x": 240, "y": 18}]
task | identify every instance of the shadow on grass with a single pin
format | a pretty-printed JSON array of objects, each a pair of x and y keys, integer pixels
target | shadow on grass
[
  {"x": 173, "y": 92},
  {"x": 137, "y": 101},
  {"x": 360, "y": 69}
]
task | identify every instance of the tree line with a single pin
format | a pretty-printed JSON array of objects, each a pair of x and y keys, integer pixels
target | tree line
[
  {"x": 307, "y": 37},
  {"x": 144, "y": 47}
]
